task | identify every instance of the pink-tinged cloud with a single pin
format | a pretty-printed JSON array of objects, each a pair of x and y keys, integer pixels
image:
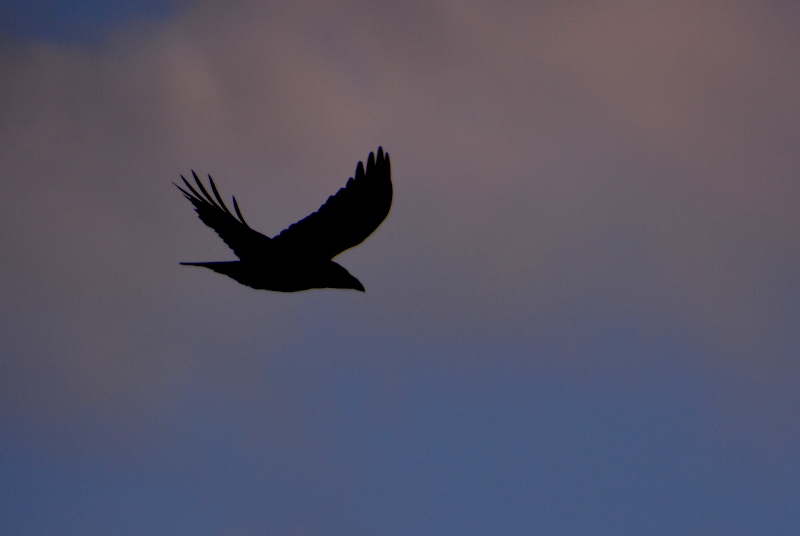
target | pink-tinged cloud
[{"x": 616, "y": 160}]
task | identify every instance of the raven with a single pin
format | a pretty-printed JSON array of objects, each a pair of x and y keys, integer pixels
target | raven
[{"x": 299, "y": 258}]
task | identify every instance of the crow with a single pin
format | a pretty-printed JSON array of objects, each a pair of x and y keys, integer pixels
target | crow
[{"x": 300, "y": 257}]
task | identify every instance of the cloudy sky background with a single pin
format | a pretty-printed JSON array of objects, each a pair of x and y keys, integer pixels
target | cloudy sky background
[{"x": 582, "y": 314}]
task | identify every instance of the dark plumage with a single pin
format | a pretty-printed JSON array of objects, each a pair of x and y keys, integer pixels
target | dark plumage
[{"x": 299, "y": 258}]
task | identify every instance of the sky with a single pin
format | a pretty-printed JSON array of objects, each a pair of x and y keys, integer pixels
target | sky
[{"x": 582, "y": 314}]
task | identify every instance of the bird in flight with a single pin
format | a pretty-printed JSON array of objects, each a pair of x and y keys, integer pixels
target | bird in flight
[{"x": 300, "y": 257}]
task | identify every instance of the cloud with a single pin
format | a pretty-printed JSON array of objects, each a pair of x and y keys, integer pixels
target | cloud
[{"x": 556, "y": 166}]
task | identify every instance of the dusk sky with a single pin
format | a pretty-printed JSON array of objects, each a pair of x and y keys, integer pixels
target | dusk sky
[{"x": 582, "y": 314}]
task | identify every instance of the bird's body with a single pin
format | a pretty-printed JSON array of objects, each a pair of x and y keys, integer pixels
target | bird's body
[
  {"x": 300, "y": 257},
  {"x": 285, "y": 275}
]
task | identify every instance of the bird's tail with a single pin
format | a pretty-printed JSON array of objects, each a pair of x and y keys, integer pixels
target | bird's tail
[
  {"x": 236, "y": 270},
  {"x": 225, "y": 267}
]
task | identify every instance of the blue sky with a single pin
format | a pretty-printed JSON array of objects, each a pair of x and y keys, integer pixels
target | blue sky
[
  {"x": 87, "y": 21},
  {"x": 581, "y": 315}
]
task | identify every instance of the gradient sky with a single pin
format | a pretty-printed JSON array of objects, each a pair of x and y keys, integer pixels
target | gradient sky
[{"x": 582, "y": 315}]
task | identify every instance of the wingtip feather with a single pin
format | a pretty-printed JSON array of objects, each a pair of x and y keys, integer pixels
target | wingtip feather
[
  {"x": 184, "y": 192},
  {"x": 239, "y": 212},
  {"x": 216, "y": 194},
  {"x": 190, "y": 187},
  {"x": 200, "y": 185},
  {"x": 370, "y": 163}
]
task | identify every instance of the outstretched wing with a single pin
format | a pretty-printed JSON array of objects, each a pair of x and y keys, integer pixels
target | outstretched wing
[
  {"x": 346, "y": 218},
  {"x": 245, "y": 242}
]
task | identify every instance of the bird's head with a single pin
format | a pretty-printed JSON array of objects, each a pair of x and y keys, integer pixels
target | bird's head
[{"x": 338, "y": 277}]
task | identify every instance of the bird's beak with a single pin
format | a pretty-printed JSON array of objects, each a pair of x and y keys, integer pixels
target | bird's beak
[{"x": 357, "y": 285}]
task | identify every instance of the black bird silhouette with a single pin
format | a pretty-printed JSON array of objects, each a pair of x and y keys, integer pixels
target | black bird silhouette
[{"x": 299, "y": 258}]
